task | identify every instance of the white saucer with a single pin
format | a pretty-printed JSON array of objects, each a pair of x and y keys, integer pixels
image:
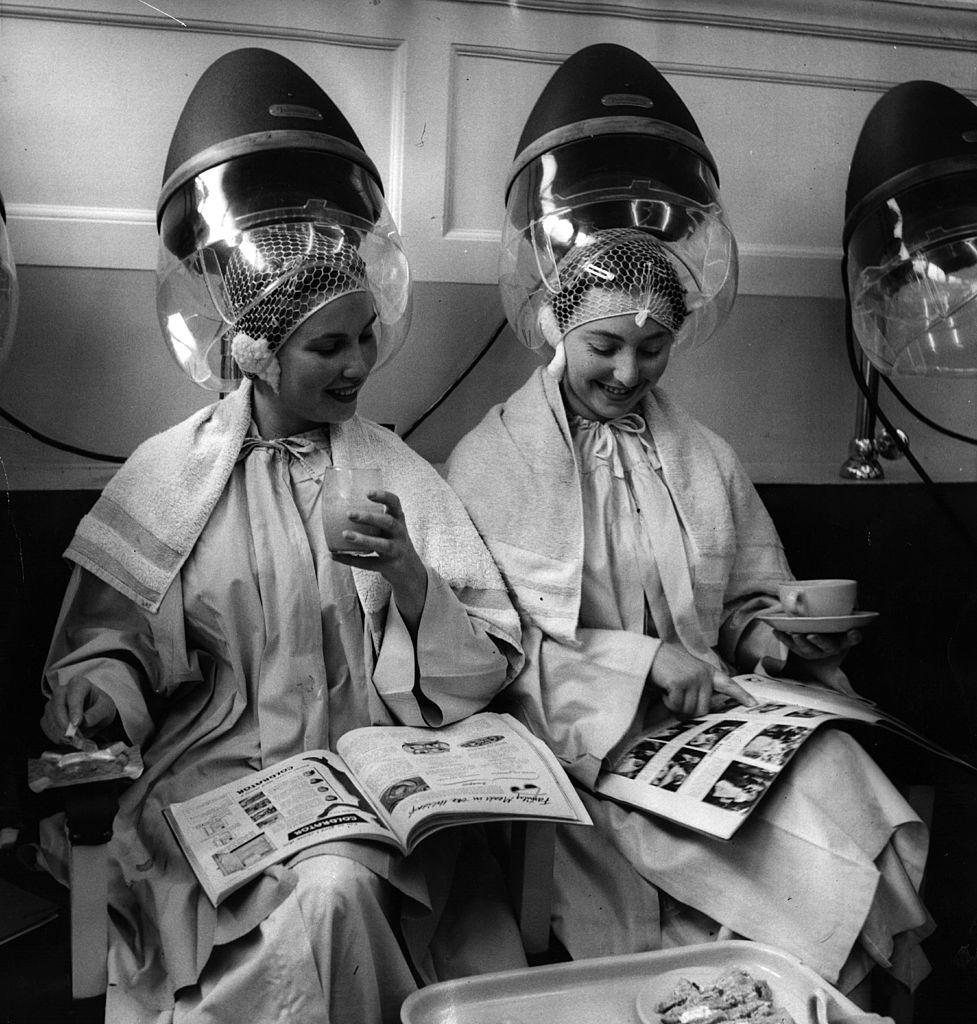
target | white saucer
[{"x": 820, "y": 623}]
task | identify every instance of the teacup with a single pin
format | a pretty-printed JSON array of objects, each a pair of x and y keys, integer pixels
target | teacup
[
  {"x": 345, "y": 490},
  {"x": 818, "y": 598}
]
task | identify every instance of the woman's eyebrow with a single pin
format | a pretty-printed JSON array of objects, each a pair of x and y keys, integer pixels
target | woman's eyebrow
[
  {"x": 605, "y": 335},
  {"x": 341, "y": 335}
]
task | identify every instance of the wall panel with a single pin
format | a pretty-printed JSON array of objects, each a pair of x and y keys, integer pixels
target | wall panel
[{"x": 438, "y": 91}]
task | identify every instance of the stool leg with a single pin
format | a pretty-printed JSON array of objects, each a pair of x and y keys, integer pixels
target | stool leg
[
  {"x": 89, "y": 920},
  {"x": 532, "y": 846}
]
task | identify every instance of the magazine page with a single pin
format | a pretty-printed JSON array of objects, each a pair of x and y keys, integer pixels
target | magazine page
[
  {"x": 485, "y": 767},
  {"x": 709, "y": 772},
  {"x": 852, "y": 707},
  {"x": 231, "y": 834}
]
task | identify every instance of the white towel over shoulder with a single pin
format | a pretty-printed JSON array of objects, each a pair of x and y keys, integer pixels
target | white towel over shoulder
[
  {"x": 516, "y": 474},
  {"x": 146, "y": 521}
]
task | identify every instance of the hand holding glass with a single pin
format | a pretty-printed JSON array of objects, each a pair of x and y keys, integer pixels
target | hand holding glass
[{"x": 344, "y": 491}]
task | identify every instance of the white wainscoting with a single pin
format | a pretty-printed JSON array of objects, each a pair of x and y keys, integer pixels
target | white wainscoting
[{"x": 438, "y": 91}]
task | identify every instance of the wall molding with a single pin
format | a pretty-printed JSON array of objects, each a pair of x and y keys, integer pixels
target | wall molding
[
  {"x": 82, "y": 236},
  {"x": 954, "y": 24},
  {"x": 772, "y": 76},
  {"x": 97, "y": 237},
  {"x": 882, "y": 22},
  {"x": 117, "y": 18}
]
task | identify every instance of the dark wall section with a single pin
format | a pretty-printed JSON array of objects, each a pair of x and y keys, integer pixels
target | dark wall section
[
  {"x": 35, "y": 527},
  {"x": 893, "y": 538},
  {"x": 916, "y": 569}
]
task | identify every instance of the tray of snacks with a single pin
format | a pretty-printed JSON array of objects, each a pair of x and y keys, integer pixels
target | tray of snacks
[{"x": 702, "y": 984}]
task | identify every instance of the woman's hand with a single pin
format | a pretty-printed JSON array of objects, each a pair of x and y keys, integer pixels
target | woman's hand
[
  {"x": 388, "y": 550},
  {"x": 818, "y": 656},
  {"x": 688, "y": 683},
  {"x": 76, "y": 711},
  {"x": 819, "y": 646}
]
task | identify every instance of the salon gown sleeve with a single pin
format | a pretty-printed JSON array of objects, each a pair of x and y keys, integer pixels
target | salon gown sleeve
[
  {"x": 105, "y": 638},
  {"x": 457, "y": 667},
  {"x": 585, "y": 698}
]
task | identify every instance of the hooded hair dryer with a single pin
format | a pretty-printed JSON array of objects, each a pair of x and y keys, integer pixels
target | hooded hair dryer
[
  {"x": 269, "y": 209},
  {"x": 910, "y": 235},
  {"x": 609, "y": 148}
]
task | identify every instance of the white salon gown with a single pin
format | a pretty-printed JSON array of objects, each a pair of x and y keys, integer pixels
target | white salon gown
[
  {"x": 279, "y": 661},
  {"x": 827, "y": 867}
]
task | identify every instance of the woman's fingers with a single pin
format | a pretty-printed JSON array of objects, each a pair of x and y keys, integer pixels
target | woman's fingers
[
  {"x": 390, "y": 500},
  {"x": 76, "y": 701},
  {"x": 74, "y": 710},
  {"x": 54, "y": 719},
  {"x": 721, "y": 683},
  {"x": 382, "y": 521},
  {"x": 813, "y": 646}
]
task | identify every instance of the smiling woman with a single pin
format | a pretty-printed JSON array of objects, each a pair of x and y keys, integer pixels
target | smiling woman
[
  {"x": 321, "y": 370},
  {"x": 612, "y": 365},
  {"x": 208, "y": 620},
  {"x": 642, "y": 560}
]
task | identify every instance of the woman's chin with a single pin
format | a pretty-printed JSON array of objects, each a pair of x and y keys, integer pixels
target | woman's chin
[{"x": 338, "y": 412}]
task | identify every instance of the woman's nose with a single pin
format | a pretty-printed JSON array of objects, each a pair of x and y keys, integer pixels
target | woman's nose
[
  {"x": 357, "y": 365},
  {"x": 626, "y": 370}
]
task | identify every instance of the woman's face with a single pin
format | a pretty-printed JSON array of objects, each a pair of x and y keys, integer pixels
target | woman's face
[
  {"x": 612, "y": 364},
  {"x": 324, "y": 364}
]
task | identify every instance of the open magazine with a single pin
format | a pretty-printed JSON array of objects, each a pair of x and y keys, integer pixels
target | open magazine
[
  {"x": 390, "y": 784},
  {"x": 708, "y": 773}
]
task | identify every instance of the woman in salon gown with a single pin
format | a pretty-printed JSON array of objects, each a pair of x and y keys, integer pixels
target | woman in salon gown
[
  {"x": 639, "y": 556},
  {"x": 206, "y": 617}
]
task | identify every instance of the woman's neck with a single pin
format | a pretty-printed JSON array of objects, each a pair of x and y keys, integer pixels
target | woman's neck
[{"x": 273, "y": 419}]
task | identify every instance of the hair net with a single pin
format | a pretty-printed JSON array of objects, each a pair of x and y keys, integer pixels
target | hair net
[
  {"x": 278, "y": 280},
  {"x": 621, "y": 270}
]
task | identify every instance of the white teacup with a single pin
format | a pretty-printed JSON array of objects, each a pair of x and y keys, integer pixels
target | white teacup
[
  {"x": 345, "y": 490},
  {"x": 818, "y": 598}
]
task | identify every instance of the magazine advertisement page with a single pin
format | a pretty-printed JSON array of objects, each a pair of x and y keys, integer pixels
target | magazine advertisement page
[
  {"x": 708, "y": 773},
  {"x": 233, "y": 833},
  {"x": 485, "y": 767}
]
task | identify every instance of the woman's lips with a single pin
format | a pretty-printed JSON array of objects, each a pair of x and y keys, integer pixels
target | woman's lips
[
  {"x": 617, "y": 394},
  {"x": 344, "y": 394}
]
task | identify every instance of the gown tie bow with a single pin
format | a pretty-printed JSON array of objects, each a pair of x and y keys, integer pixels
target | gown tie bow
[
  {"x": 288, "y": 447},
  {"x": 605, "y": 438}
]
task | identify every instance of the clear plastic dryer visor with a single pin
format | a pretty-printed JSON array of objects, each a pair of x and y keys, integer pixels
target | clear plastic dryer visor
[
  {"x": 561, "y": 198},
  {"x": 8, "y": 292},
  {"x": 217, "y": 211},
  {"x": 912, "y": 279}
]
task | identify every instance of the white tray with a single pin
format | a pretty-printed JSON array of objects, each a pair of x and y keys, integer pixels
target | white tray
[{"x": 606, "y": 990}]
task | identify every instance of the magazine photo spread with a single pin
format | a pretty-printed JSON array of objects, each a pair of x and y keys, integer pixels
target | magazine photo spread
[
  {"x": 388, "y": 784},
  {"x": 709, "y": 772}
]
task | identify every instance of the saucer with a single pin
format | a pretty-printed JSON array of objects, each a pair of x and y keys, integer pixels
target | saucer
[{"x": 819, "y": 623}]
